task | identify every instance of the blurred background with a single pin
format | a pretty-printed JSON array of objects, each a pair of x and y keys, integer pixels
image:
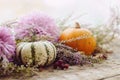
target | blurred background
[{"x": 90, "y": 11}]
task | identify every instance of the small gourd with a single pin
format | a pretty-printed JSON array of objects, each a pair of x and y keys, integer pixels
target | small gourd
[{"x": 40, "y": 53}]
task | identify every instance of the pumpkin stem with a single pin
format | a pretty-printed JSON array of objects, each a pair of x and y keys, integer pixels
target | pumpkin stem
[{"x": 77, "y": 25}]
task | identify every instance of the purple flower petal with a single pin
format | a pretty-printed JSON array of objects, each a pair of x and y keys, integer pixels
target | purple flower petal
[
  {"x": 37, "y": 23},
  {"x": 7, "y": 43}
]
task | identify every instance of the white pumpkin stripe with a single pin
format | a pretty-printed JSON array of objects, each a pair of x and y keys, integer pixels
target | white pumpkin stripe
[
  {"x": 51, "y": 53},
  {"x": 26, "y": 54},
  {"x": 47, "y": 51},
  {"x": 40, "y": 53},
  {"x": 54, "y": 52},
  {"x": 20, "y": 45},
  {"x": 18, "y": 52}
]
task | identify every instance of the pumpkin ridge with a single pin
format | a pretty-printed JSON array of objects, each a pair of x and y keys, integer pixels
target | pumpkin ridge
[
  {"x": 20, "y": 56},
  {"x": 33, "y": 53},
  {"x": 47, "y": 54},
  {"x": 54, "y": 53}
]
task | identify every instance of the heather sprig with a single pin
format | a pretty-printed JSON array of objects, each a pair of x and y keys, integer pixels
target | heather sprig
[
  {"x": 74, "y": 57},
  {"x": 69, "y": 55}
]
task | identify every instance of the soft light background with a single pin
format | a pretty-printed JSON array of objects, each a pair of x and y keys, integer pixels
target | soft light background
[{"x": 93, "y": 11}]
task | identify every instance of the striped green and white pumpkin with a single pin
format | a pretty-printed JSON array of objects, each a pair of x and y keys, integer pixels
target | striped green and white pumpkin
[{"x": 40, "y": 53}]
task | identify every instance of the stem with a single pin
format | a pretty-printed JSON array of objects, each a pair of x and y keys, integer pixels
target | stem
[{"x": 77, "y": 25}]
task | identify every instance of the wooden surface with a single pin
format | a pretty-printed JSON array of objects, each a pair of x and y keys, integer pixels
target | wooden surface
[{"x": 108, "y": 70}]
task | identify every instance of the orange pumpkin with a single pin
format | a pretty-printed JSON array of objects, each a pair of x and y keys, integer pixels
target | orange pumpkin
[{"x": 79, "y": 38}]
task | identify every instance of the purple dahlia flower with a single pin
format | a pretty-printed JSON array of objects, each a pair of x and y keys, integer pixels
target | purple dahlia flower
[
  {"x": 7, "y": 43},
  {"x": 36, "y": 24}
]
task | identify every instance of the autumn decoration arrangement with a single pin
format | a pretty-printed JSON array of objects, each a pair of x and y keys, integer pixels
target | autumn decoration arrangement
[{"x": 36, "y": 41}]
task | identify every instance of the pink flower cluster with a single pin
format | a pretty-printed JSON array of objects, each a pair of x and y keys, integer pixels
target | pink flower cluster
[
  {"x": 36, "y": 24},
  {"x": 7, "y": 43}
]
